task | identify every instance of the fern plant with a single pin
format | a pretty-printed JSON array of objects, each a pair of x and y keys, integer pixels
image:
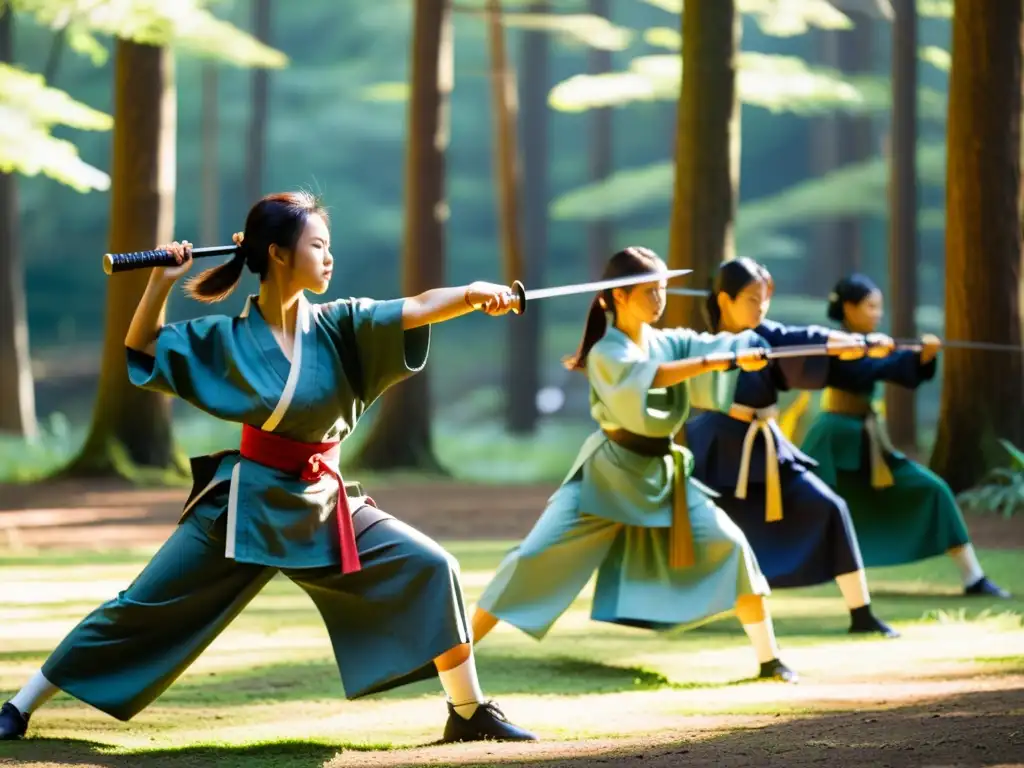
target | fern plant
[{"x": 1001, "y": 490}]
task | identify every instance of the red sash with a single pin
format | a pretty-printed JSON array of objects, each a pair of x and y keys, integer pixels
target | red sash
[{"x": 310, "y": 462}]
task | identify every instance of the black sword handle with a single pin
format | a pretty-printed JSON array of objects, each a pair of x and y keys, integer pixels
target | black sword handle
[{"x": 122, "y": 262}]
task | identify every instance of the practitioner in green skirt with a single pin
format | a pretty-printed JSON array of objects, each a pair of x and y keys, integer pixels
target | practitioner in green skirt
[
  {"x": 297, "y": 376},
  {"x": 902, "y": 511},
  {"x": 666, "y": 556}
]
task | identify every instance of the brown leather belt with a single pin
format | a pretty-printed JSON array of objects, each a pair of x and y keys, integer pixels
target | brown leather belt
[{"x": 681, "y": 552}]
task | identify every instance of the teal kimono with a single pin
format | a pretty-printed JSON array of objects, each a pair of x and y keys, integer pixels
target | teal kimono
[
  {"x": 245, "y": 522},
  {"x": 903, "y": 512},
  {"x": 613, "y": 511}
]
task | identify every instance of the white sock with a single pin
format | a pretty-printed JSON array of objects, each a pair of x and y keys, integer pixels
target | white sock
[
  {"x": 36, "y": 692},
  {"x": 854, "y": 587},
  {"x": 762, "y": 637},
  {"x": 967, "y": 561},
  {"x": 462, "y": 687}
]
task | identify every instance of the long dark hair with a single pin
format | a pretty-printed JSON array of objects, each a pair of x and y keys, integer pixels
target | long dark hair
[
  {"x": 852, "y": 289},
  {"x": 277, "y": 219},
  {"x": 634, "y": 260},
  {"x": 732, "y": 277}
]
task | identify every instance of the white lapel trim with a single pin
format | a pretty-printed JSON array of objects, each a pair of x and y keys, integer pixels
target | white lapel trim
[
  {"x": 301, "y": 329},
  {"x": 232, "y": 527}
]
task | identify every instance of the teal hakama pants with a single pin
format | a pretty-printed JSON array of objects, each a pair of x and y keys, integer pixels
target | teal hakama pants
[
  {"x": 387, "y": 622},
  {"x": 538, "y": 580}
]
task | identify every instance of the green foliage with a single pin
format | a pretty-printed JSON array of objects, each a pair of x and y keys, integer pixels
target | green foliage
[
  {"x": 186, "y": 24},
  {"x": 1001, "y": 490},
  {"x": 584, "y": 28},
  {"x": 855, "y": 190},
  {"x": 773, "y": 82},
  {"x": 28, "y": 111}
]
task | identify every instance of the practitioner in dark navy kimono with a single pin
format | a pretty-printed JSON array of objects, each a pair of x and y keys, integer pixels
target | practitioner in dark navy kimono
[{"x": 799, "y": 528}]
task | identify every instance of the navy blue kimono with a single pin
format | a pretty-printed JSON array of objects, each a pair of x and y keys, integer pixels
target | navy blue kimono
[{"x": 814, "y": 541}]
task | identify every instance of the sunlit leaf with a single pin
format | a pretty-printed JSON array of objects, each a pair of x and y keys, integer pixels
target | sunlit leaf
[
  {"x": 939, "y": 58},
  {"x": 593, "y": 31},
  {"x": 187, "y": 24},
  {"x": 28, "y": 110},
  {"x": 385, "y": 92},
  {"x": 936, "y": 9},
  {"x": 663, "y": 37}
]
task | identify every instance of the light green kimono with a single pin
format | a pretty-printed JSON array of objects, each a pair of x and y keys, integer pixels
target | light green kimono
[
  {"x": 245, "y": 522},
  {"x": 614, "y": 509}
]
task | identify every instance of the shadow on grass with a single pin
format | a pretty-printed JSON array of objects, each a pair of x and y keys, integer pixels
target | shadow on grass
[
  {"x": 72, "y": 752},
  {"x": 318, "y": 680}
]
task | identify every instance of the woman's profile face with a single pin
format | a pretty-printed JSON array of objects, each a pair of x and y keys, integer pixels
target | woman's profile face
[
  {"x": 748, "y": 309},
  {"x": 865, "y": 315},
  {"x": 312, "y": 263}
]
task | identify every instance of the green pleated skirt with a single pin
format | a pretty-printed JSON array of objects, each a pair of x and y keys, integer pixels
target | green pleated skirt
[{"x": 913, "y": 520}]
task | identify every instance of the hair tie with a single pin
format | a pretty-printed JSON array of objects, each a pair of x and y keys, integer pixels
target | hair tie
[
  {"x": 833, "y": 297},
  {"x": 602, "y": 303}
]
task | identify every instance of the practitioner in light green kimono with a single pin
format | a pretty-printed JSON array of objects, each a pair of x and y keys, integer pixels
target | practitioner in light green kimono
[
  {"x": 903, "y": 512},
  {"x": 297, "y": 376},
  {"x": 666, "y": 556}
]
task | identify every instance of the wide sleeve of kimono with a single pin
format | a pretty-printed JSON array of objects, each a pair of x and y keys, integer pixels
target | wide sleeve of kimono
[
  {"x": 712, "y": 391},
  {"x": 621, "y": 377},
  {"x": 196, "y": 361},
  {"x": 902, "y": 367},
  {"x": 810, "y": 372},
  {"x": 384, "y": 352}
]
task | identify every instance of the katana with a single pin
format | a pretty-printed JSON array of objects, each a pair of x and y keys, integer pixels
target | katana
[{"x": 519, "y": 295}]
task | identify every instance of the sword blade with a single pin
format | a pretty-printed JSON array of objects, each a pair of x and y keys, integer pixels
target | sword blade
[
  {"x": 602, "y": 285},
  {"x": 686, "y": 292}
]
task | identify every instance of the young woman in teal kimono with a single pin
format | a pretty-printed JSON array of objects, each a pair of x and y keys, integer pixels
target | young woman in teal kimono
[
  {"x": 297, "y": 376},
  {"x": 799, "y": 528},
  {"x": 902, "y": 511},
  {"x": 666, "y": 556}
]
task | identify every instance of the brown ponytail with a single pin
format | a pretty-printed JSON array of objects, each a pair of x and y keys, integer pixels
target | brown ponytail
[
  {"x": 595, "y": 328},
  {"x": 217, "y": 283}
]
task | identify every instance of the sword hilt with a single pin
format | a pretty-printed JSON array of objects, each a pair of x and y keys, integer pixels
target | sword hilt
[{"x": 516, "y": 296}]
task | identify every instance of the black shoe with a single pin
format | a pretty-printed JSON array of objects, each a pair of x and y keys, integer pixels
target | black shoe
[
  {"x": 776, "y": 670},
  {"x": 985, "y": 588},
  {"x": 488, "y": 722},
  {"x": 13, "y": 724},
  {"x": 864, "y": 622}
]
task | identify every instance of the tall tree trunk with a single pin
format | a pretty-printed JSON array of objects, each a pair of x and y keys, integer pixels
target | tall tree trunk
[
  {"x": 256, "y": 147},
  {"x": 525, "y": 336},
  {"x": 707, "y": 152},
  {"x": 209, "y": 215},
  {"x": 17, "y": 396},
  {"x": 505, "y": 110},
  {"x": 400, "y": 436},
  {"x": 600, "y": 233},
  {"x": 982, "y": 391},
  {"x": 900, "y": 403},
  {"x": 839, "y": 140},
  {"x": 131, "y": 427}
]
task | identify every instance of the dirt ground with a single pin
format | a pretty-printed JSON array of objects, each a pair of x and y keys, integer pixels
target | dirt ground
[
  {"x": 968, "y": 722},
  {"x": 101, "y": 515}
]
